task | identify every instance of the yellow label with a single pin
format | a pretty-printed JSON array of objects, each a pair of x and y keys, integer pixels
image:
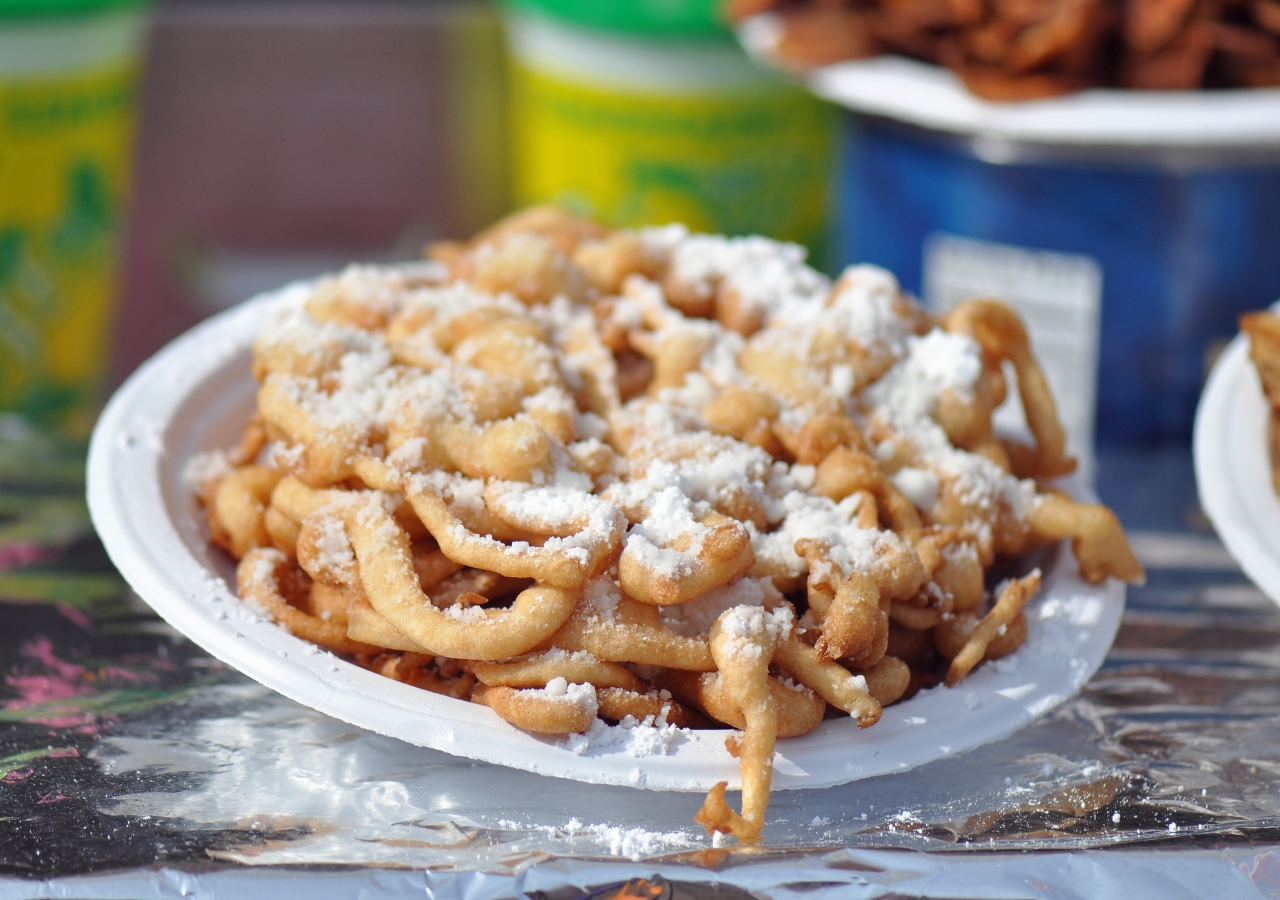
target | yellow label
[
  {"x": 736, "y": 163},
  {"x": 65, "y": 145}
]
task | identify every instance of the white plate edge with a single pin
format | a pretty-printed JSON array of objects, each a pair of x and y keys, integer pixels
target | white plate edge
[{"x": 1233, "y": 468}]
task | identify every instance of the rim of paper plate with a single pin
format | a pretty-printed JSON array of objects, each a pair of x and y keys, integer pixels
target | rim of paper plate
[
  {"x": 195, "y": 395},
  {"x": 931, "y": 96},
  {"x": 1233, "y": 466}
]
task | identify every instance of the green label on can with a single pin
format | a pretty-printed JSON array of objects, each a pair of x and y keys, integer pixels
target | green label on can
[{"x": 750, "y": 162}]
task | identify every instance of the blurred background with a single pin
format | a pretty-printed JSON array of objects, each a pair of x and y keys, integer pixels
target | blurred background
[
  {"x": 283, "y": 138},
  {"x": 159, "y": 163}
]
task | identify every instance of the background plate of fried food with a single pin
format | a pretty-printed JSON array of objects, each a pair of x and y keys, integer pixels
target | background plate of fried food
[
  {"x": 197, "y": 394},
  {"x": 1082, "y": 71},
  {"x": 1236, "y": 451}
]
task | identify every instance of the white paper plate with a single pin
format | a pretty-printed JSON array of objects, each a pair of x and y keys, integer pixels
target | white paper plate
[
  {"x": 1233, "y": 466},
  {"x": 196, "y": 394},
  {"x": 933, "y": 97}
]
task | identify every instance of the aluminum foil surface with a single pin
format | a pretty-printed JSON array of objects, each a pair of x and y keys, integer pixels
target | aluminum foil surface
[{"x": 127, "y": 753}]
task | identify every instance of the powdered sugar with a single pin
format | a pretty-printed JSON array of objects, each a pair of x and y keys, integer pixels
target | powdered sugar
[
  {"x": 863, "y": 307},
  {"x": 200, "y": 473},
  {"x": 558, "y": 690},
  {"x": 651, "y": 737},
  {"x": 904, "y": 401},
  {"x": 748, "y": 629},
  {"x": 567, "y": 505},
  {"x": 263, "y": 567},
  {"x": 558, "y": 656},
  {"x": 631, "y": 843},
  {"x": 470, "y": 615},
  {"x": 285, "y": 457},
  {"x": 294, "y": 331},
  {"x": 937, "y": 362},
  {"x": 852, "y": 548},
  {"x": 333, "y": 548},
  {"x": 696, "y": 616},
  {"x": 766, "y": 275},
  {"x": 920, "y": 486}
]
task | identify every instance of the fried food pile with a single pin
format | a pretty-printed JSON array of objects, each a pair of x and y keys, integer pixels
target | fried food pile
[
  {"x": 1263, "y": 329},
  {"x": 647, "y": 477},
  {"x": 1025, "y": 49}
]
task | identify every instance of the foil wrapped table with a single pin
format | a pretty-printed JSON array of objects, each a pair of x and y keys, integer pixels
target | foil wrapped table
[{"x": 134, "y": 765}]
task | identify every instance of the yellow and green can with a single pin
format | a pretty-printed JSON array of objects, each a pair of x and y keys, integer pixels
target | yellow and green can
[
  {"x": 69, "y": 72},
  {"x": 663, "y": 124}
]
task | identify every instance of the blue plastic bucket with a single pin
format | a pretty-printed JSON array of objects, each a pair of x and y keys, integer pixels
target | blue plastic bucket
[{"x": 1185, "y": 240}]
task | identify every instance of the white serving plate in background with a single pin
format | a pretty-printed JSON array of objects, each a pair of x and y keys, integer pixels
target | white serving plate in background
[
  {"x": 930, "y": 96},
  {"x": 196, "y": 394},
  {"x": 1233, "y": 466}
]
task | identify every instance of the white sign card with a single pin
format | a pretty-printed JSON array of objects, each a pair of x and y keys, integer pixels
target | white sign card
[{"x": 1058, "y": 296}]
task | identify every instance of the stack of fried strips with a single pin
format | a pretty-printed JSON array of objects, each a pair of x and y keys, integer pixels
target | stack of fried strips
[
  {"x": 1024, "y": 49},
  {"x": 647, "y": 477}
]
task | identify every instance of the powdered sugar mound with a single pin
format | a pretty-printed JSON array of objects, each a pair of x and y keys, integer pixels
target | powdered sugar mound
[
  {"x": 262, "y": 568},
  {"x": 366, "y": 393},
  {"x": 920, "y": 486},
  {"x": 664, "y": 512},
  {"x": 470, "y": 615},
  {"x": 939, "y": 361},
  {"x": 662, "y": 239},
  {"x": 600, "y": 597},
  {"x": 285, "y": 457},
  {"x": 204, "y": 469},
  {"x": 558, "y": 690},
  {"x": 696, "y": 616},
  {"x": 377, "y": 291},
  {"x": 293, "y": 328},
  {"x": 373, "y": 513},
  {"x": 679, "y": 473},
  {"x": 565, "y": 505},
  {"x": 768, "y": 276},
  {"x": 636, "y": 843},
  {"x": 554, "y": 504},
  {"x": 434, "y": 310},
  {"x": 650, "y": 737},
  {"x": 859, "y": 684},
  {"x": 334, "y": 552},
  {"x": 864, "y": 308},
  {"x": 669, "y": 518},
  {"x": 409, "y": 456},
  {"x": 720, "y": 362},
  {"x": 745, "y": 626},
  {"x": 557, "y": 655},
  {"x": 852, "y": 548},
  {"x": 905, "y": 400}
]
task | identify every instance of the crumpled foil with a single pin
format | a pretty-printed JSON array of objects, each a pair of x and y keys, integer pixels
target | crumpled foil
[{"x": 125, "y": 749}]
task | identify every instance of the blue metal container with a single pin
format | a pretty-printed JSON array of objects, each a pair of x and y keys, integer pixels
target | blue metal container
[{"x": 1185, "y": 240}]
